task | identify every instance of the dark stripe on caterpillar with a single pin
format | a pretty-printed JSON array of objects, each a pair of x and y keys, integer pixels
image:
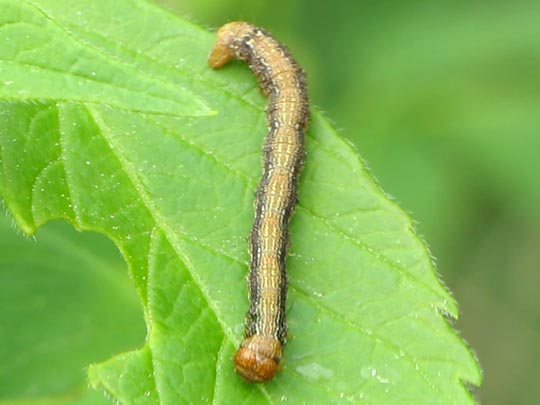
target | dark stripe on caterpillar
[{"x": 284, "y": 82}]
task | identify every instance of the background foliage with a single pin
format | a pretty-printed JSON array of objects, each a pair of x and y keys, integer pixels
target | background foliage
[{"x": 442, "y": 100}]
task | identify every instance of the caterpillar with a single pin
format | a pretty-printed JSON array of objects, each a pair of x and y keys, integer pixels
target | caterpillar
[{"x": 284, "y": 83}]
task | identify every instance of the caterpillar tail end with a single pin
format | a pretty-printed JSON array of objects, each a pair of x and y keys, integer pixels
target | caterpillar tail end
[
  {"x": 219, "y": 55},
  {"x": 257, "y": 359},
  {"x": 222, "y": 51}
]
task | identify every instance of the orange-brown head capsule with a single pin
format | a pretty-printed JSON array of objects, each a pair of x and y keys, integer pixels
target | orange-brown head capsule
[{"x": 258, "y": 358}]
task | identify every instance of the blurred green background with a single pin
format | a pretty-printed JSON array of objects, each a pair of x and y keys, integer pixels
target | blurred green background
[{"x": 442, "y": 99}]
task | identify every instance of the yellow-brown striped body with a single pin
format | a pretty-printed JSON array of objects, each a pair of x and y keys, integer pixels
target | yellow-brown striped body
[{"x": 282, "y": 80}]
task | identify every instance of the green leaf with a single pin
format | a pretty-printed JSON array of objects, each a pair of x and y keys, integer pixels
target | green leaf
[
  {"x": 56, "y": 320},
  {"x": 107, "y": 121}
]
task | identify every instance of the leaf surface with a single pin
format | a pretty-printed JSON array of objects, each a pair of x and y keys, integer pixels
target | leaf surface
[
  {"x": 111, "y": 120},
  {"x": 65, "y": 301}
]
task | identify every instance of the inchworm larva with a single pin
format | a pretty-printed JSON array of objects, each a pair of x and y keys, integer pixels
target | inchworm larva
[{"x": 284, "y": 82}]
